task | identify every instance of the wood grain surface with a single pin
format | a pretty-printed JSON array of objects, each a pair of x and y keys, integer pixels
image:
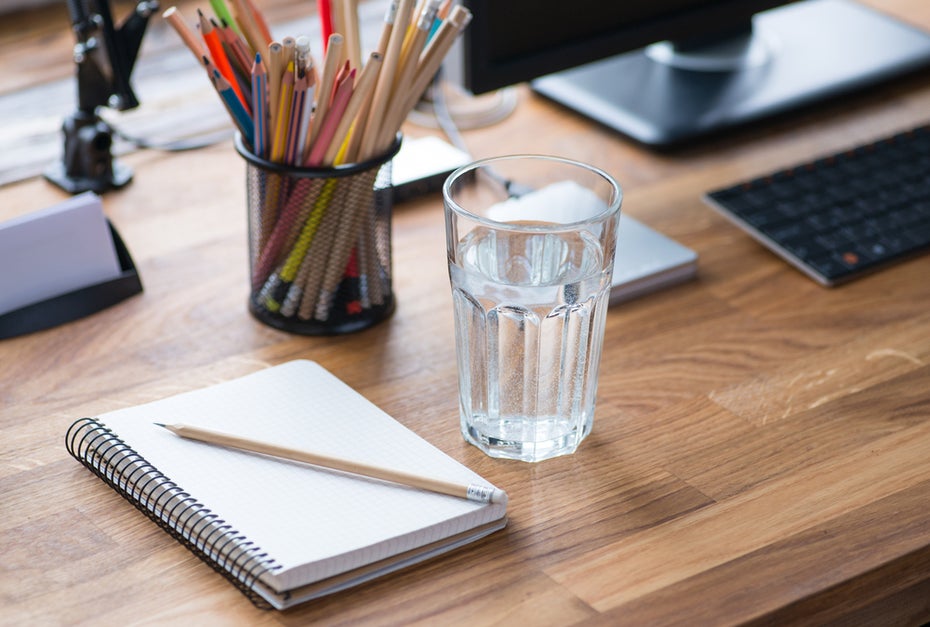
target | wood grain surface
[{"x": 760, "y": 449}]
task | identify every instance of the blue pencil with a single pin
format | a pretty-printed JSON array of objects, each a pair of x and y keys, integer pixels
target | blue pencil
[
  {"x": 238, "y": 113},
  {"x": 260, "y": 106}
]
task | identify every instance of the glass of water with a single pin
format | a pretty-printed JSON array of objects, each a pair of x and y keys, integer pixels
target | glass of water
[{"x": 530, "y": 242}]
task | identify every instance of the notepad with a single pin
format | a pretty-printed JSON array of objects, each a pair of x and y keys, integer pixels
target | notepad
[{"x": 284, "y": 532}]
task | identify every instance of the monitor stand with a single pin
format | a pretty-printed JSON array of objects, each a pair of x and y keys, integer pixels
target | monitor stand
[{"x": 799, "y": 54}]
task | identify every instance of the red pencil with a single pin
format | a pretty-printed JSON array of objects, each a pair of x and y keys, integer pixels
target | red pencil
[
  {"x": 324, "y": 8},
  {"x": 331, "y": 120}
]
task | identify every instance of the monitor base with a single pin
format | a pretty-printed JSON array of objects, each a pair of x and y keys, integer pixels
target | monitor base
[{"x": 659, "y": 104}]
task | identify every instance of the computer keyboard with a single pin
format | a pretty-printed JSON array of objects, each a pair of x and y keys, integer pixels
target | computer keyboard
[{"x": 841, "y": 216}]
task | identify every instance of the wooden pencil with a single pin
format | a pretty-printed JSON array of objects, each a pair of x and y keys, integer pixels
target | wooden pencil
[
  {"x": 433, "y": 56},
  {"x": 295, "y": 124},
  {"x": 350, "y": 222},
  {"x": 276, "y": 68},
  {"x": 360, "y": 95},
  {"x": 479, "y": 493},
  {"x": 385, "y": 83},
  {"x": 283, "y": 115},
  {"x": 246, "y": 21},
  {"x": 350, "y": 29},
  {"x": 190, "y": 39},
  {"x": 361, "y": 123},
  {"x": 330, "y": 121},
  {"x": 407, "y": 67},
  {"x": 241, "y": 55},
  {"x": 259, "y": 20},
  {"x": 331, "y": 66}
]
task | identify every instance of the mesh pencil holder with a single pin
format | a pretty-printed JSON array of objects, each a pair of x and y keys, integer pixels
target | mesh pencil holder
[{"x": 320, "y": 243}]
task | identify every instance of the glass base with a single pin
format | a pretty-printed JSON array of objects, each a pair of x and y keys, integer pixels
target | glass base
[{"x": 526, "y": 439}]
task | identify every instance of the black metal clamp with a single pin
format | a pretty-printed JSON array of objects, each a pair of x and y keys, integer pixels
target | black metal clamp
[{"x": 104, "y": 56}]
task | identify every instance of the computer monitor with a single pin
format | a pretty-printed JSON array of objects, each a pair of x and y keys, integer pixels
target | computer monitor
[{"x": 666, "y": 71}]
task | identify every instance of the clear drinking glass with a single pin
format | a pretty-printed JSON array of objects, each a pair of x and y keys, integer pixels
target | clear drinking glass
[{"x": 530, "y": 242}]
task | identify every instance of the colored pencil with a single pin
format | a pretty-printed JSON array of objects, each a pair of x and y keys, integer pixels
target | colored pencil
[
  {"x": 360, "y": 95},
  {"x": 323, "y": 8},
  {"x": 242, "y": 14},
  {"x": 331, "y": 66},
  {"x": 331, "y": 120},
  {"x": 259, "y": 106},
  {"x": 259, "y": 21},
  {"x": 218, "y": 55},
  {"x": 283, "y": 115},
  {"x": 298, "y": 109},
  {"x": 238, "y": 51},
  {"x": 234, "y": 105},
  {"x": 385, "y": 84},
  {"x": 311, "y": 238},
  {"x": 222, "y": 12}
]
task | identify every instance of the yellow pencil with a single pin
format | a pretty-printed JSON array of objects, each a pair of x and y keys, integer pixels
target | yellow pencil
[{"x": 283, "y": 117}]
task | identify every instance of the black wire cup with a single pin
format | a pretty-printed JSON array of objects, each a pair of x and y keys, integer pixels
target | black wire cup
[{"x": 320, "y": 243}]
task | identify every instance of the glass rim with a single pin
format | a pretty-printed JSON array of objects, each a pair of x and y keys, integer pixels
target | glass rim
[{"x": 613, "y": 207}]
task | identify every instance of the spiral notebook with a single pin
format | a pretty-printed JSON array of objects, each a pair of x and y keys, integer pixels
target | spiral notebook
[{"x": 284, "y": 532}]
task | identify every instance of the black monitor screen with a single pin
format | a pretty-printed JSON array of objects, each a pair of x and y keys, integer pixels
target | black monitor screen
[
  {"x": 512, "y": 41},
  {"x": 666, "y": 71}
]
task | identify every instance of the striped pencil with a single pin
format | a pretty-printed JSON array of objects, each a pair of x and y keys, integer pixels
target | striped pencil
[{"x": 259, "y": 106}]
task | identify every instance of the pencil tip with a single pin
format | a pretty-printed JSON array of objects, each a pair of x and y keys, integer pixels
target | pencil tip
[{"x": 159, "y": 424}]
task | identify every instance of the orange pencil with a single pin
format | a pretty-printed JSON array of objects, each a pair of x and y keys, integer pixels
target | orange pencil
[{"x": 218, "y": 55}]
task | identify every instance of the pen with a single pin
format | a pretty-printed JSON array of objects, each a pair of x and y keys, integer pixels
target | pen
[{"x": 472, "y": 492}]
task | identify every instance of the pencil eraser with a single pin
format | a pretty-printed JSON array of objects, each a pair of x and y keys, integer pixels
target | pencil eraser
[{"x": 499, "y": 496}]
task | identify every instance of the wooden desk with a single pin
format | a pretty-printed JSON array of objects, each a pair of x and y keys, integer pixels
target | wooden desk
[{"x": 760, "y": 451}]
